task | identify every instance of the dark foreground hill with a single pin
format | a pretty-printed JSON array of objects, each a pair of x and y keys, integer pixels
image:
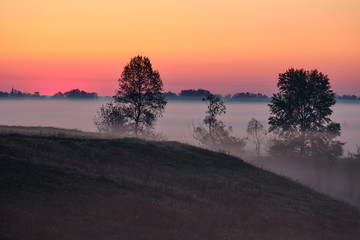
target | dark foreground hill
[{"x": 79, "y": 188}]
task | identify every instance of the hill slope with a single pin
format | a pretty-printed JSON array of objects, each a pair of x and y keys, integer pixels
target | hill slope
[{"x": 78, "y": 188}]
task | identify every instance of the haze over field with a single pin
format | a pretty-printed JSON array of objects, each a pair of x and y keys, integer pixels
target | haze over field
[{"x": 176, "y": 124}]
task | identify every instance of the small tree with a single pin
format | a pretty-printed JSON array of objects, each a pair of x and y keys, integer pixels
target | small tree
[
  {"x": 214, "y": 134},
  {"x": 111, "y": 118},
  {"x": 138, "y": 101},
  {"x": 216, "y": 107},
  {"x": 256, "y": 133},
  {"x": 301, "y": 113}
]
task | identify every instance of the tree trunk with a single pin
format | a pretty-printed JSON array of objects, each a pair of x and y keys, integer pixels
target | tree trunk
[
  {"x": 137, "y": 121},
  {"x": 302, "y": 144},
  {"x": 211, "y": 134},
  {"x": 257, "y": 149},
  {"x": 136, "y": 129}
]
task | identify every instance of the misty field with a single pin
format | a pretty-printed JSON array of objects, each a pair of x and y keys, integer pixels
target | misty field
[{"x": 176, "y": 124}]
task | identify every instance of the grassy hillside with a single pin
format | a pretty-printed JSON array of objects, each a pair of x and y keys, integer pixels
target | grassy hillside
[
  {"x": 88, "y": 188},
  {"x": 46, "y": 131}
]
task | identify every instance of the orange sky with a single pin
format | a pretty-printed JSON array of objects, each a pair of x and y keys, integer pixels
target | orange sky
[{"x": 225, "y": 46}]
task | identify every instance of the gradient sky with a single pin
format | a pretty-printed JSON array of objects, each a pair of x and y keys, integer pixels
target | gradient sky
[{"x": 225, "y": 46}]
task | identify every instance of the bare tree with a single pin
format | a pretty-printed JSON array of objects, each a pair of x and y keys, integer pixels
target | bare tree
[{"x": 257, "y": 134}]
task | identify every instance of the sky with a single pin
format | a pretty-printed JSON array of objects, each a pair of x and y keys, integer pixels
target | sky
[{"x": 225, "y": 46}]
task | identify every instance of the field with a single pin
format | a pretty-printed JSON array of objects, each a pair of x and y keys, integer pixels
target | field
[{"x": 62, "y": 185}]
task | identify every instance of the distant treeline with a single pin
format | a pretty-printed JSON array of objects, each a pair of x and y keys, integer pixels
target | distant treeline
[
  {"x": 347, "y": 98},
  {"x": 192, "y": 94},
  {"x": 189, "y": 94},
  {"x": 73, "y": 94},
  {"x": 18, "y": 94}
]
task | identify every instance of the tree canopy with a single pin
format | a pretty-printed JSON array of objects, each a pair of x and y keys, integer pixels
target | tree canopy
[
  {"x": 138, "y": 101},
  {"x": 300, "y": 114}
]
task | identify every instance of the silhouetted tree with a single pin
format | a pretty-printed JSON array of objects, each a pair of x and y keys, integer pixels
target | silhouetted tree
[
  {"x": 256, "y": 133},
  {"x": 214, "y": 134},
  {"x": 301, "y": 113},
  {"x": 138, "y": 101}
]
